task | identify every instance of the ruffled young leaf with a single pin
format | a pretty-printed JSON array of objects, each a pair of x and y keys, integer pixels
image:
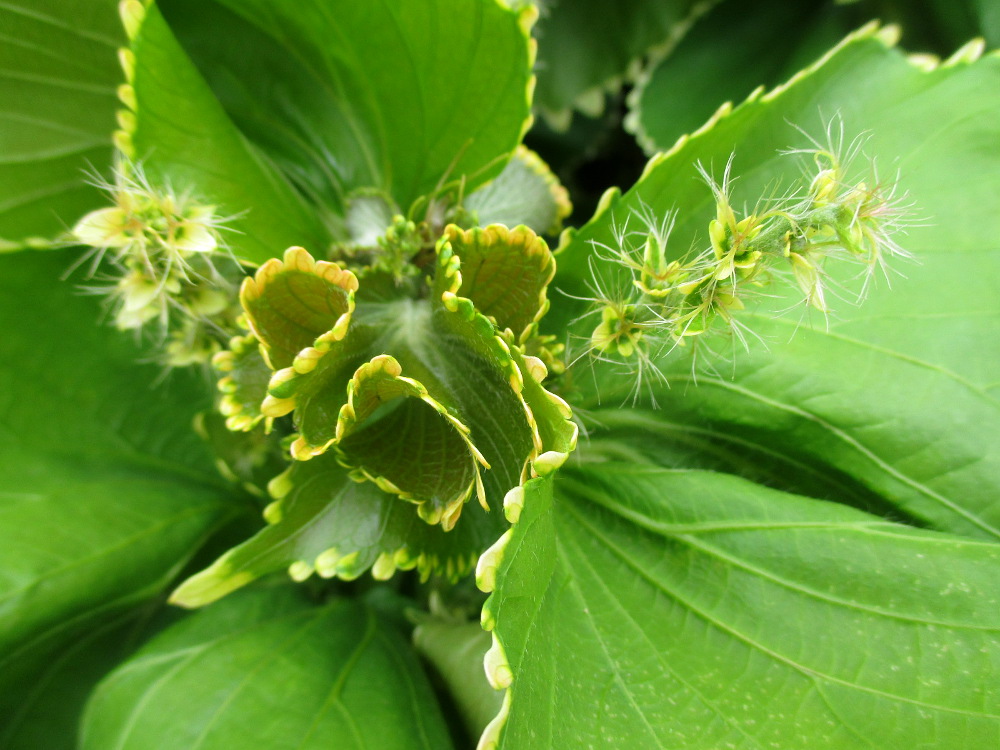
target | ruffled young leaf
[
  {"x": 106, "y": 490},
  {"x": 325, "y": 521},
  {"x": 401, "y": 96},
  {"x": 60, "y": 70},
  {"x": 433, "y": 364},
  {"x": 182, "y": 136},
  {"x": 899, "y": 394},
  {"x": 413, "y": 420},
  {"x": 292, "y": 302},
  {"x": 267, "y": 669},
  {"x": 585, "y": 48},
  {"x": 245, "y": 376},
  {"x": 456, "y": 409},
  {"x": 526, "y": 192},
  {"x": 647, "y": 608},
  {"x": 504, "y": 272}
]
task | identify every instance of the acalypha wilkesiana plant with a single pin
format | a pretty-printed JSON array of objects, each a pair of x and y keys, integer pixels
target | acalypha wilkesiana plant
[{"x": 317, "y": 396}]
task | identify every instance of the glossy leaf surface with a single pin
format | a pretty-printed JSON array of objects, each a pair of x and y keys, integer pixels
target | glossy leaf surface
[
  {"x": 439, "y": 102},
  {"x": 268, "y": 669},
  {"x": 646, "y": 608}
]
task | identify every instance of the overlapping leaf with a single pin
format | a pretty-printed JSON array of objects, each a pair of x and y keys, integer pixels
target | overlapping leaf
[
  {"x": 51, "y": 700},
  {"x": 326, "y": 522},
  {"x": 427, "y": 109},
  {"x": 898, "y": 394},
  {"x": 181, "y": 135},
  {"x": 526, "y": 192},
  {"x": 337, "y": 675},
  {"x": 96, "y": 465},
  {"x": 646, "y": 608},
  {"x": 706, "y": 68},
  {"x": 587, "y": 48},
  {"x": 454, "y": 410},
  {"x": 59, "y": 74}
]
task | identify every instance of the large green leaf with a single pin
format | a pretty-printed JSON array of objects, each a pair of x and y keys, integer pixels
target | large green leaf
[
  {"x": 266, "y": 669},
  {"x": 106, "y": 490},
  {"x": 58, "y": 73},
  {"x": 402, "y": 96},
  {"x": 706, "y": 68},
  {"x": 647, "y": 608},
  {"x": 50, "y": 702},
  {"x": 181, "y": 135},
  {"x": 900, "y": 392}
]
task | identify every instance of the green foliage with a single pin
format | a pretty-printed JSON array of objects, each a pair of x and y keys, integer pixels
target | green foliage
[
  {"x": 308, "y": 676},
  {"x": 700, "y": 648},
  {"x": 720, "y": 471},
  {"x": 58, "y": 86}
]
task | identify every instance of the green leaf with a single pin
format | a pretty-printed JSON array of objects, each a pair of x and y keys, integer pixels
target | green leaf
[
  {"x": 59, "y": 73},
  {"x": 706, "y": 68},
  {"x": 106, "y": 490},
  {"x": 647, "y": 608},
  {"x": 456, "y": 651},
  {"x": 587, "y": 47},
  {"x": 402, "y": 96},
  {"x": 43, "y": 708},
  {"x": 324, "y": 521},
  {"x": 899, "y": 394},
  {"x": 464, "y": 413},
  {"x": 349, "y": 394},
  {"x": 526, "y": 192},
  {"x": 505, "y": 272},
  {"x": 245, "y": 375},
  {"x": 182, "y": 136},
  {"x": 267, "y": 669}
]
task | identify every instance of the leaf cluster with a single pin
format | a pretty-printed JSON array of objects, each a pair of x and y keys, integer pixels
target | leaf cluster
[{"x": 386, "y": 447}]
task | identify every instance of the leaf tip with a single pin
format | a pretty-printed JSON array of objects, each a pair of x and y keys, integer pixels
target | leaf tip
[{"x": 208, "y": 586}]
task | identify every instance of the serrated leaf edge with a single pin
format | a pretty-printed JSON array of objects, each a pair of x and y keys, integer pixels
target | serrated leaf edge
[
  {"x": 495, "y": 663},
  {"x": 591, "y": 102},
  {"x": 334, "y": 563},
  {"x": 888, "y": 35},
  {"x": 224, "y": 362},
  {"x": 347, "y": 422},
  {"x": 495, "y": 234}
]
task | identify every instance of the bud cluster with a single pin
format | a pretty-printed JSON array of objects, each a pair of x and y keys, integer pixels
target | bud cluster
[
  {"x": 160, "y": 251},
  {"x": 662, "y": 301}
]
